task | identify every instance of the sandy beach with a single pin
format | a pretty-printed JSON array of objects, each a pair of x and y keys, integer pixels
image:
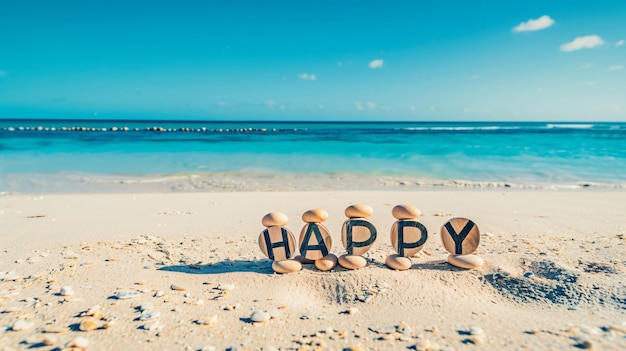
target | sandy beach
[{"x": 554, "y": 274}]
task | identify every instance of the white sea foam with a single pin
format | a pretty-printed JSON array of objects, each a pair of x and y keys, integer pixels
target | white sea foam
[{"x": 570, "y": 126}]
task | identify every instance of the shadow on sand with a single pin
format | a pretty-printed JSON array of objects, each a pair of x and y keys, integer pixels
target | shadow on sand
[
  {"x": 261, "y": 267},
  {"x": 265, "y": 267}
]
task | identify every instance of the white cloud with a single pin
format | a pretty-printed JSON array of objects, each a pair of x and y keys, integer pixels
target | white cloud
[
  {"x": 307, "y": 76},
  {"x": 616, "y": 108},
  {"x": 271, "y": 103},
  {"x": 3, "y": 73},
  {"x": 616, "y": 68},
  {"x": 466, "y": 110},
  {"x": 223, "y": 104},
  {"x": 619, "y": 43},
  {"x": 542, "y": 22},
  {"x": 365, "y": 105},
  {"x": 586, "y": 42},
  {"x": 432, "y": 107},
  {"x": 591, "y": 83},
  {"x": 412, "y": 108},
  {"x": 375, "y": 64},
  {"x": 587, "y": 65}
]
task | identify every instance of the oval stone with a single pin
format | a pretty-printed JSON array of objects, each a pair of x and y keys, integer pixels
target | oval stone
[
  {"x": 361, "y": 233},
  {"x": 275, "y": 235},
  {"x": 399, "y": 263},
  {"x": 260, "y": 316},
  {"x": 413, "y": 233},
  {"x": 352, "y": 261},
  {"x": 309, "y": 237},
  {"x": 286, "y": 266},
  {"x": 358, "y": 211},
  {"x": 465, "y": 261},
  {"x": 405, "y": 212},
  {"x": 327, "y": 262},
  {"x": 460, "y": 236},
  {"x": 316, "y": 215},
  {"x": 275, "y": 219}
]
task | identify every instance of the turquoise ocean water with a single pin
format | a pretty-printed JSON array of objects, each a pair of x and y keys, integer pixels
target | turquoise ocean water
[{"x": 518, "y": 153}]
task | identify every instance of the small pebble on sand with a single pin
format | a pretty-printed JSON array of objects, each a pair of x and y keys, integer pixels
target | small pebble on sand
[
  {"x": 66, "y": 291},
  {"x": 124, "y": 295},
  {"x": 260, "y": 316},
  {"x": 78, "y": 343},
  {"x": 22, "y": 324}
]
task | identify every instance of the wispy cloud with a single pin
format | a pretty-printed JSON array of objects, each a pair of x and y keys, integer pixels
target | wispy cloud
[
  {"x": 376, "y": 64},
  {"x": 619, "y": 43},
  {"x": 223, "y": 104},
  {"x": 587, "y": 65},
  {"x": 616, "y": 68},
  {"x": 365, "y": 105},
  {"x": 590, "y": 83},
  {"x": 273, "y": 104},
  {"x": 586, "y": 42},
  {"x": 542, "y": 22},
  {"x": 307, "y": 76},
  {"x": 3, "y": 73}
]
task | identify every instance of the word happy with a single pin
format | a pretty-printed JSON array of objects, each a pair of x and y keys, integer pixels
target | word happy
[{"x": 460, "y": 237}]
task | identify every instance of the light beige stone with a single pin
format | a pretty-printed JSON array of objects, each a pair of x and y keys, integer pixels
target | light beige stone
[
  {"x": 468, "y": 245},
  {"x": 465, "y": 261},
  {"x": 316, "y": 215},
  {"x": 275, "y": 235},
  {"x": 275, "y": 219},
  {"x": 88, "y": 324},
  {"x": 286, "y": 266},
  {"x": 359, "y": 234},
  {"x": 327, "y": 262},
  {"x": 399, "y": 263},
  {"x": 405, "y": 211},
  {"x": 352, "y": 261},
  {"x": 312, "y": 240},
  {"x": 358, "y": 211},
  {"x": 410, "y": 234}
]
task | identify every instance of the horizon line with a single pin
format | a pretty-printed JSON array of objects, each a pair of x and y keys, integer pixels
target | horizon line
[{"x": 297, "y": 121}]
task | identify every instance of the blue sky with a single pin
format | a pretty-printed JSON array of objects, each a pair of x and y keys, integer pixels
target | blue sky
[{"x": 314, "y": 60}]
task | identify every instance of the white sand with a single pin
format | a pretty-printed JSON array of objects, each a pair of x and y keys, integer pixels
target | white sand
[{"x": 573, "y": 242}]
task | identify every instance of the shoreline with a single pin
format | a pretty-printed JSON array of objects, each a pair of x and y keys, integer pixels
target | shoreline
[
  {"x": 178, "y": 252},
  {"x": 238, "y": 181}
]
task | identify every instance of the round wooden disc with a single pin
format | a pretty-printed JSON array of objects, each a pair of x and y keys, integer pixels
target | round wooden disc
[
  {"x": 311, "y": 247},
  {"x": 460, "y": 236},
  {"x": 412, "y": 232},
  {"x": 282, "y": 250},
  {"x": 360, "y": 234}
]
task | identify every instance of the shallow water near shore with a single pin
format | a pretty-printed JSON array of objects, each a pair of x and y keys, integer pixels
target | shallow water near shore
[{"x": 61, "y": 155}]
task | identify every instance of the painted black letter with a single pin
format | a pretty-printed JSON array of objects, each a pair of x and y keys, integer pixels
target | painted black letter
[
  {"x": 270, "y": 245},
  {"x": 404, "y": 245},
  {"x": 321, "y": 245},
  {"x": 350, "y": 244},
  {"x": 458, "y": 238}
]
